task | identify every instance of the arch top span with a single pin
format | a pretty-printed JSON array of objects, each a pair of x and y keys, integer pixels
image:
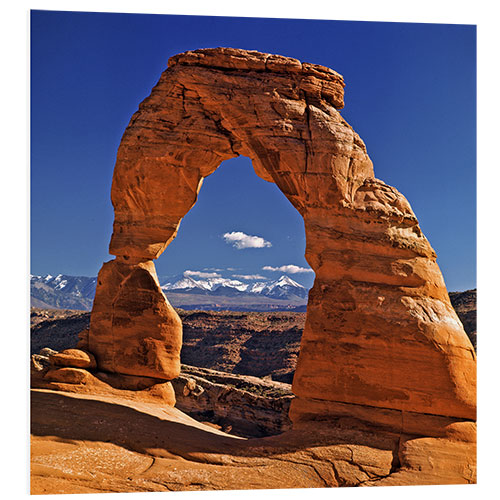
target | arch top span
[
  {"x": 214, "y": 104},
  {"x": 313, "y": 79},
  {"x": 380, "y": 330}
]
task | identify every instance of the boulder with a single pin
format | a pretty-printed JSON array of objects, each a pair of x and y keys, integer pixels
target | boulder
[
  {"x": 75, "y": 358},
  {"x": 68, "y": 375}
]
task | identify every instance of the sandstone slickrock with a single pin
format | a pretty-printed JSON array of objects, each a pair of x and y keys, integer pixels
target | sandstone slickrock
[
  {"x": 47, "y": 376},
  {"x": 380, "y": 331},
  {"x": 86, "y": 442},
  {"x": 68, "y": 375},
  {"x": 75, "y": 358}
]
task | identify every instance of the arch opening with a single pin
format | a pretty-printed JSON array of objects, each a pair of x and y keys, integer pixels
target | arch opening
[
  {"x": 253, "y": 300},
  {"x": 234, "y": 200}
]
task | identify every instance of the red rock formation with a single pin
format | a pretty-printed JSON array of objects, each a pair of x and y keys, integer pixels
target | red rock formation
[
  {"x": 133, "y": 329},
  {"x": 74, "y": 358},
  {"x": 381, "y": 341}
]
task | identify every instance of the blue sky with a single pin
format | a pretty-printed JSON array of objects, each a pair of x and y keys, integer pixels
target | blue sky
[{"x": 410, "y": 94}]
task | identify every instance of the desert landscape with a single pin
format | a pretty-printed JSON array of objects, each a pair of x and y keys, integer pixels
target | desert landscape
[
  {"x": 236, "y": 368},
  {"x": 210, "y": 396},
  {"x": 374, "y": 385}
]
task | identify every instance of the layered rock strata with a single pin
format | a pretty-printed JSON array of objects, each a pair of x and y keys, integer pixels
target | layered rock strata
[
  {"x": 75, "y": 371},
  {"x": 381, "y": 337},
  {"x": 133, "y": 329},
  {"x": 238, "y": 404}
]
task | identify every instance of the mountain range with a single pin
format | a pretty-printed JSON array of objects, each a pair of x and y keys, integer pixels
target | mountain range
[
  {"x": 284, "y": 287},
  {"x": 184, "y": 291},
  {"x": 62, "y": 292}
]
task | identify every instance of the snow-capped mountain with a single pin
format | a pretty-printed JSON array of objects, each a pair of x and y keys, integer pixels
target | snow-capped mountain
[
  {"x": 77, "y": 292},
  {"x": 62, "y": 291},
  {"x": 186, "y": 283},
  {"x": 282, "y": 288}
]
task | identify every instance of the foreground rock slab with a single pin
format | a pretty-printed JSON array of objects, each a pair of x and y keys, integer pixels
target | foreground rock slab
[
  {"x": 89, "y": 443},
  {"x": 95, "y": 431}
]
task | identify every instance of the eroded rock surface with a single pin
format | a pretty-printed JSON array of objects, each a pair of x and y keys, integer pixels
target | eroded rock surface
[
  {"x": 63, "y": 371},
  {"x": 381, "y": 344},
  {"x": 133, "y": 329},
  {"x": 380, "y": 329},
  {"x": 234, "y": 342},
  {"x": 89, "y": 443},
  {"x": 241, "y": 405},
  {"x": 75, "y": 358},
  {"x": 246, "y": 343}
]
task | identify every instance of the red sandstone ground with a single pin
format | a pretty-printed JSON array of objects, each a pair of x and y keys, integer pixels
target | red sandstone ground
[{"x": 91, "y": 442}]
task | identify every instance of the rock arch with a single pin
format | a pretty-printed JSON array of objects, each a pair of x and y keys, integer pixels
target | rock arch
[{"x": 381, "y": 342}]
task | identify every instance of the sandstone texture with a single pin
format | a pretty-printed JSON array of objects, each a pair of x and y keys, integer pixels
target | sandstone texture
[
  {"x": 261, "y": 344},
  {"x": 90, "y": 443},
  {"x": 238, "y": 404},
  {"x": 385, "y": 379},
  {"x": 94, "y": 431},
  {"x": 380, "y": 330},
  {"x": 133, "y": 329},
  {"x": 75, "y": 358},
  {"x": 63, "y": 371}
]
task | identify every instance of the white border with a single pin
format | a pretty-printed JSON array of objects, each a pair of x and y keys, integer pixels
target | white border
[{"x": 15, "y": 210}]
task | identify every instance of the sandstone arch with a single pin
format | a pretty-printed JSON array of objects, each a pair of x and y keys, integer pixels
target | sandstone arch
[{"x": 381, "y": 340}]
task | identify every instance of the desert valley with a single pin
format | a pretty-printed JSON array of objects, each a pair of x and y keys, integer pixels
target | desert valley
[{"x": 232, "y": 357}]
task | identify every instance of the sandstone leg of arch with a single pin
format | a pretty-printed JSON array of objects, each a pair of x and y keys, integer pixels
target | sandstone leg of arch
[
  {"x": 381, "y": 341},
  {"x": 380, "y": 330},
  {"x": 134, "y": 329}
]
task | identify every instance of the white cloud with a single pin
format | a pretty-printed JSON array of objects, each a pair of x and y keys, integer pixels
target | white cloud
[
  {"x": 241, "y": 240},
  {"x": 201, "y": 274},
  {"x": 290, "y": 268},
  {"x": 249, "y": 276}
]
